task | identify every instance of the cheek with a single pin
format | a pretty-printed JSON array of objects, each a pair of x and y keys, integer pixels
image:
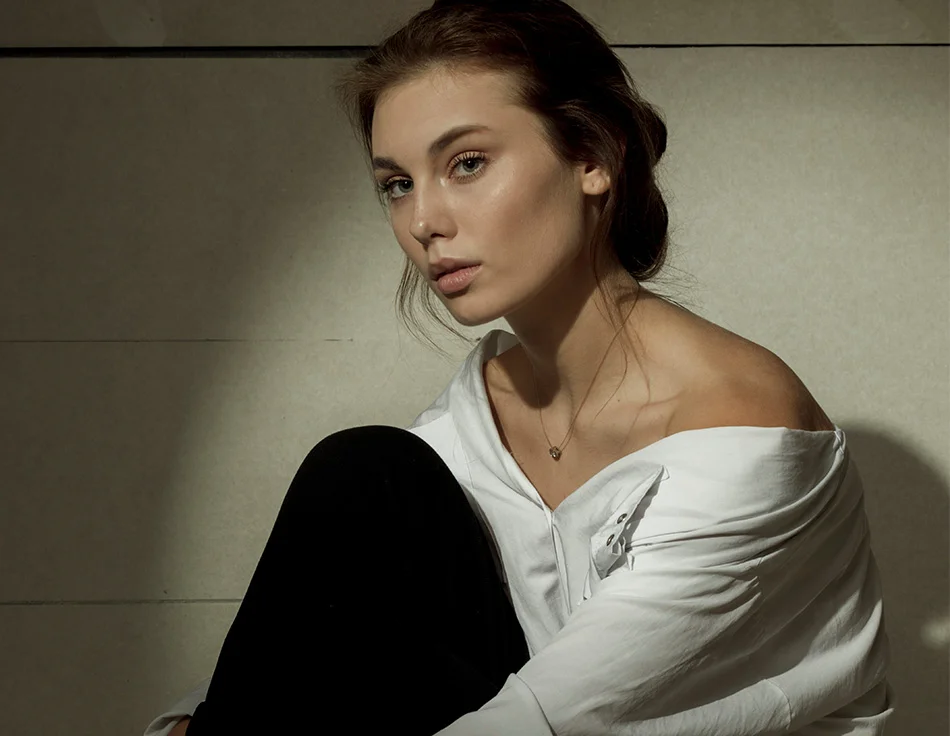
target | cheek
[
  {"x": 512, "y": 212},
  {"x": 414, "y": 251},
  {"x": 537, "y": 220},
  {"x": 417, "y": 254}
]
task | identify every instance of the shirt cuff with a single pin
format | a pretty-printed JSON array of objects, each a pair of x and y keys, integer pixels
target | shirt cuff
[{"x": 184, "y": 707}]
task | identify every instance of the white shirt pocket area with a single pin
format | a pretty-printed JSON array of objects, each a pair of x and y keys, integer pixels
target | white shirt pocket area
[{"x": 610, "y": 544}]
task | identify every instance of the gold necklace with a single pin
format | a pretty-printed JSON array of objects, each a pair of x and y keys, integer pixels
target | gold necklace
[{"x": 555, "y": 450}]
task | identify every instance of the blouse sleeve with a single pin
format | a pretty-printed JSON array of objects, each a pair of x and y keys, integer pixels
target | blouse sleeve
[
  {"x": 661, "y": 644},
  {"x": 743, "y": 610}
]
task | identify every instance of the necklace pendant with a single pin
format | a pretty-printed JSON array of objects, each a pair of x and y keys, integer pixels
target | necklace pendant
[{"x": 555, "y": 453}]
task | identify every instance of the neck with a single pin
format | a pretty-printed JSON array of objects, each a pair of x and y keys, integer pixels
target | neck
[{"x": 557, "y": 366}]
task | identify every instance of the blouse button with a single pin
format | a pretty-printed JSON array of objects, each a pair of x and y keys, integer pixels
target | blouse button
[
  {"x": 622, "y": 517},
  {"x": 610, "y": 539}
]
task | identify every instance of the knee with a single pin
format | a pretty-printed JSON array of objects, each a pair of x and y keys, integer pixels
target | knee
[
  {"x": 367, "y": 437},
  {"x": 356, "y": 469},
  {"x": 359, "y": 449}
]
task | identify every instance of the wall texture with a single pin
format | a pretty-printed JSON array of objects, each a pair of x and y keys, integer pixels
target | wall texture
[{"x": 196, "y": 287}]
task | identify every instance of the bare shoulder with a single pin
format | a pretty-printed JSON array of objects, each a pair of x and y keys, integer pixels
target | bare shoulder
[
  {"x": 744, "y": 384},
  {"x": 780, "y": 407}
]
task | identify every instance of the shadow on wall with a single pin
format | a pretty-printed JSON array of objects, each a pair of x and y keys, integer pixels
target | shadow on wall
[{"x": 908, "y": 506}]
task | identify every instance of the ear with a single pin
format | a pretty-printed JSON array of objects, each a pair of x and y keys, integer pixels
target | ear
[{"x": 595, "y": 179}]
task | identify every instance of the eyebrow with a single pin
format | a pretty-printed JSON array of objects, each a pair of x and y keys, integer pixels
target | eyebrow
[{"x": 438, "y": 145}]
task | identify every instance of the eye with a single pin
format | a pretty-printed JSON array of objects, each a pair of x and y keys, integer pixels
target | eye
[{"x": 469, "y": 158}]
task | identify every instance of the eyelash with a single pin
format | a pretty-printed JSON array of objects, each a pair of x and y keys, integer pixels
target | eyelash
[{"x": 386, "y": 189}]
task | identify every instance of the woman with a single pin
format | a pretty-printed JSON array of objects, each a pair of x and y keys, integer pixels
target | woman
[{"x": 562, "y": 543}]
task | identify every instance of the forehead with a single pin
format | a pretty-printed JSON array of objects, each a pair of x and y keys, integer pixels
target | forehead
[{"x": 417, "y": 111}]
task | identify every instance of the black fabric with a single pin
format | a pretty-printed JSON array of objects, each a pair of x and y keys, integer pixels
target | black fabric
[{"x": 375, "y": 606}]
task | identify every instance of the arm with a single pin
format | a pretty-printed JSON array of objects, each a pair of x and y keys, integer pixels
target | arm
[
  {"x": 181, "y": 729},
  {"x": 657, "y": 650},
  {"x": 741, "y": 604}
]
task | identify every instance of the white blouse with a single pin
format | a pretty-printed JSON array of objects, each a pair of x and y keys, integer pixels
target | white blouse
[{"x": 718, "y": 581}]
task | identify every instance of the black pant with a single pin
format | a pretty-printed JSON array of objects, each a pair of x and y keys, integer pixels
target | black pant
[{"x": 375, "y": 606}]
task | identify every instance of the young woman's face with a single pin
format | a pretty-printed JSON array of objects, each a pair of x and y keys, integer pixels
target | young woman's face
[{"x": 499, "y": 197}]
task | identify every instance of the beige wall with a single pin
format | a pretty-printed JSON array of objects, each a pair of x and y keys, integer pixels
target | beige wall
[{"x": 196, "y": 286}]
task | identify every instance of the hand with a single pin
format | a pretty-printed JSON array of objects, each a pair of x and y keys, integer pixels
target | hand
[{"x": 181, "y": 727}]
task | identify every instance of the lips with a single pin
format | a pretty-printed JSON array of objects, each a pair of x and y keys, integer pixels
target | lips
[
  {"x": 452, "y": 282},
  {"x": 448, "y": 265}
]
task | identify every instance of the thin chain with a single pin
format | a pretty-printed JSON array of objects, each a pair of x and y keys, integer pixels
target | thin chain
[{"x": 555, "y": 450}]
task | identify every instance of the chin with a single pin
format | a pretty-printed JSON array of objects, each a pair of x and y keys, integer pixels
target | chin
[
  {"x": 471, "y": 317},
  {"x": 472, "y": 320}
]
